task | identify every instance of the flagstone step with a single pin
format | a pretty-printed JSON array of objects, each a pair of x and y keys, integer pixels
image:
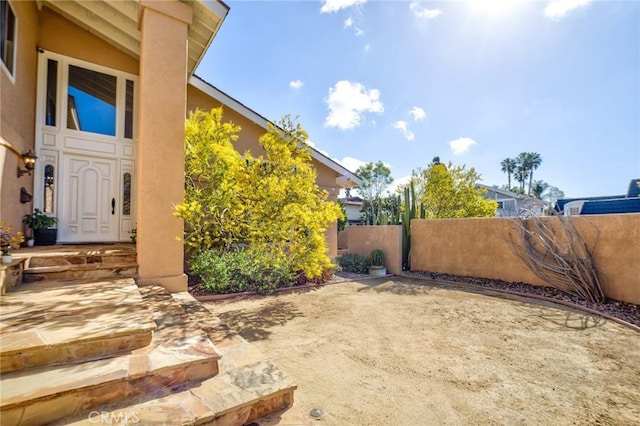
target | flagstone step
[
  {"x": 82, "y": 258},
  {"x": 227, "y": 399},
  {"x": 94, "y": 271},
  {"x": 75, "y": 254},
  {"x": 51, "y": 323},
  {"x": 180, "y": 355},
  {"x": 249, "y": 386}
]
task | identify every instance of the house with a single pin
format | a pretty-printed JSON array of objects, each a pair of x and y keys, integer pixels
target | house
[
  {"x": 607, "y": 204},
  {"x": 98, "y": 91},
  {"x": 512, "y": 204},
  {"x": 352, "y": 207}
]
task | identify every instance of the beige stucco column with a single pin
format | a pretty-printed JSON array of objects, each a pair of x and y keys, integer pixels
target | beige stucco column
[{"x": 161, "y": 113}]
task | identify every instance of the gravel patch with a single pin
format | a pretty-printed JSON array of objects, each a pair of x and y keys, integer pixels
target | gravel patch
[{"x": 627, "y": 312}]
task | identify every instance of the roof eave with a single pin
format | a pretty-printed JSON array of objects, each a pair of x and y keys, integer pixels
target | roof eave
[
  {"x": 346, "y": 178},
  {"x": 220, "y": 9}
]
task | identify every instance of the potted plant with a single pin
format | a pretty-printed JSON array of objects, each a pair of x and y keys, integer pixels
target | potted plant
[
  {"x": 42, "y": 224},
  {"x": 9, "y": 241},
  {"x": 377, "y": 263}
]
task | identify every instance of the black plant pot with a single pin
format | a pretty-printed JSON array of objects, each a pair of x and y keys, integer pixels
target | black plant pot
[{"x": 45, "y": 237}]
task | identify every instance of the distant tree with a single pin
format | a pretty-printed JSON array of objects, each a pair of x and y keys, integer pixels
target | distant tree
[
  {"x": 514, "y": 189},
  {"x": 526, "y": 163},
  {"x": 538, "y": 188},
  {"x": 553, "y": 194},
  {"x": 451, "y": 192},
  {"x": 376, "y": 178},
  {"x": 534, "y": 160},
  {"x": 342, "y": 221},
  {"x": 508, "y": 166}
]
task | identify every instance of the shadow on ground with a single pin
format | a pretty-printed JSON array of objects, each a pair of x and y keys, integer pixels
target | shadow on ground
[
  {"x": 254, "y": 324},
  {"x": 571, "y": 320},
  {"x": 394, "y": 286}
]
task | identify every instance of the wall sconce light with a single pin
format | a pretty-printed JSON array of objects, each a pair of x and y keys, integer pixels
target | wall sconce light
[{"x": 29, "y": 159}]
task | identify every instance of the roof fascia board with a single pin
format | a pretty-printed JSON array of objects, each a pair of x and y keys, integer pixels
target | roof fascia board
[{"x": 220, "y": 8}]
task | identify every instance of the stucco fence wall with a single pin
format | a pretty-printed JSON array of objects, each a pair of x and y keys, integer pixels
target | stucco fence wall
[
  {"x": 363, "y": 239},
  {"x": 481, "y": 248}
]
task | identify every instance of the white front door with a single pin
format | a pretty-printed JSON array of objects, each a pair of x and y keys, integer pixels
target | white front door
[
  {"x": 86, "y": 148},
  {"x": 90, "y": 193}
]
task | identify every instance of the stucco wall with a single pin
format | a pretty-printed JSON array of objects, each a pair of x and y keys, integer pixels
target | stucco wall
[
  {"x": 248, "y": 141},
  {"x": 47, "y": 30},
  {"x": 59, "y": 35},
  {"x": 17, "y": 106},
  {"x": 343, "y": 239},
  {"x": 480, "y": 248},
  {"x": 250, "y": 132},
  {"x": 388, "y": 238}
]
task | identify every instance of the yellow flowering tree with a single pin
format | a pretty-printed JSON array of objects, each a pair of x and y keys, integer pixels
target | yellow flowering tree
[
  {"x": 450, "y": 191},
  {"x": 268, "y": 203}
]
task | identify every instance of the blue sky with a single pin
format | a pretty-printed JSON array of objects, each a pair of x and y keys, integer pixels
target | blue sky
[{"x": 473, "y": 82}]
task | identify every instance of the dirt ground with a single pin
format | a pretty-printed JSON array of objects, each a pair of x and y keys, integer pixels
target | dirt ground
[{"x": 400, "y": 352}]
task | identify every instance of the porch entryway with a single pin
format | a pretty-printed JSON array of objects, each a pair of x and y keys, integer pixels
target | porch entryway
[{"x": 85, "y": 142}]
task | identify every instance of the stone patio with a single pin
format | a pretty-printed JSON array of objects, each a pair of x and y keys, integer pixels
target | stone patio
[{"x": 74, "y": 347}]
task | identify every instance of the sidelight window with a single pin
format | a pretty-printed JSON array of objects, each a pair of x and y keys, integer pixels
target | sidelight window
[
  {"x": 52, "y": 92},
  {"x": 126, "y": 194},
  {"x": 49, "y": 181}
]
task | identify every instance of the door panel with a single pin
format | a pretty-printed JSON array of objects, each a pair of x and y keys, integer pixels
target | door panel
[{"x": 90, "y": 185}]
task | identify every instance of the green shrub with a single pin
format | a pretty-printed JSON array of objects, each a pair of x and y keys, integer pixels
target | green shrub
[
  {"x": 355, "y": 263},
  {"x": 242, "y": 270}
]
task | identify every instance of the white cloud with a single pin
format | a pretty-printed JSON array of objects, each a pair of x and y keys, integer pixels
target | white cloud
[
  {"x": 321, "y": 151},
  {"x": 423, "y": 12},
  {"x": 336, "y": 5},
  {"x": 359, "y": 32},
  {"x": 397, "y": 183},
  {"x": 404, "y": 127},
  {"x": 367, "y": 47},
  {"x": 351, "y": 163},
  {"x": 461, "y": 145},
  {"x": 296, "y": 84},
  {"x": 348, "y": 22},
  {"x": 557, "y": 9},
  {"x": 417, "y": 113},
  {"x": 347, "y": 102}
]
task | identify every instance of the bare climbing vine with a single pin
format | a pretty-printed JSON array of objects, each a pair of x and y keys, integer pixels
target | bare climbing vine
[{"x": 557, "y": 253}]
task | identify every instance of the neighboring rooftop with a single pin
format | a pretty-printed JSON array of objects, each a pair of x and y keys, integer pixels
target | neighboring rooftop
[{"x": 606, "y": 204}]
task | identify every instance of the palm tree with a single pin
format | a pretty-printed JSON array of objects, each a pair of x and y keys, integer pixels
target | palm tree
[
  {"x": 522, "y": 169},
  {"x": 538, "y": 188},
  {"x": 533, "y": 160},
  {"x": 509, "y": 166}
]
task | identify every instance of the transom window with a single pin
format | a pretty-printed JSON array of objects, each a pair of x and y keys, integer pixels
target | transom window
[
  {"x": 91, "y": 101},
  {"x": 7, "y": 36},
  {"x": 99, "y": 101}
]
